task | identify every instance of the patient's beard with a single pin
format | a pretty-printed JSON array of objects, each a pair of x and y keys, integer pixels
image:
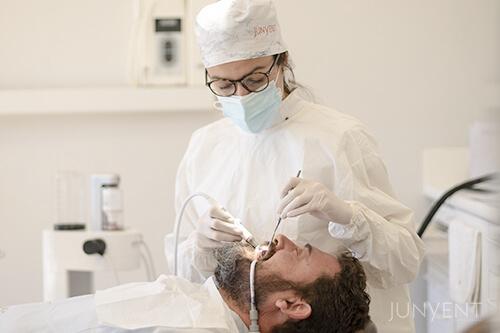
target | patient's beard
[
  {"x": 232, "y": 273},
  {"x": 232, "y": 276}
]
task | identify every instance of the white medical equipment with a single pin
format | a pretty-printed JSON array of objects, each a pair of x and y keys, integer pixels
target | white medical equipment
[
  {"x": 247, "y": 235},
  {"x": 106, "y": 205},
  {"x": 473, "y": 212},
  {"x": 70, "y": 259},
  {"x": 164, "y": 48},
  {"x": 71, "y": 254},
  {"x": 441, "y": 278},
  {"x": 159, "y": 44}
]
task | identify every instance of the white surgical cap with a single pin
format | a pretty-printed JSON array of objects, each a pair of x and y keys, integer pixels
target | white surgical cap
[{"x": 231, "y": 30}]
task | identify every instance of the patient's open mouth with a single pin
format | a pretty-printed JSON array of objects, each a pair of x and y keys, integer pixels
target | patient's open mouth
[{"x": 266, "y": 251}]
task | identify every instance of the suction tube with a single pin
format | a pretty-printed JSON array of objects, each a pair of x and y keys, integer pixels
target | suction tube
[{"x": 178, "y": 222}]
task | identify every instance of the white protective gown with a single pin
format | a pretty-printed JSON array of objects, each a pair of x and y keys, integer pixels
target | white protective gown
[
  {"x": 167, "y": 305},
  {"x": 246, "y": 173}
]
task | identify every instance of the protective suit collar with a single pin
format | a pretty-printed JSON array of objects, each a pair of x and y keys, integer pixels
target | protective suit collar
[{"x": 292, "y": 104}]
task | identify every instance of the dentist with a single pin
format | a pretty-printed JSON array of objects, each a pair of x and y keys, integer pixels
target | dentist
[{"x": 270, "y": 130}]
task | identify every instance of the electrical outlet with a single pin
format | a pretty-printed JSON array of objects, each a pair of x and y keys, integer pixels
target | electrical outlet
[{"x": 2, "y": 254}]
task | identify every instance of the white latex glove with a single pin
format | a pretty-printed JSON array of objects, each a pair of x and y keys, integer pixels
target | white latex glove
[
  {"x": 301, "y": 196},
  {"x": 215, "y": 227}
]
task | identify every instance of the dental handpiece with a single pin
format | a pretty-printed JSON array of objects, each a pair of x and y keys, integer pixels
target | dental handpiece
[{"x": 247, "y": 235}]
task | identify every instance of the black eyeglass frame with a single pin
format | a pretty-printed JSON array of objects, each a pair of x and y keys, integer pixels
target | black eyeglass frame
[{"x": 235, "y": 82}]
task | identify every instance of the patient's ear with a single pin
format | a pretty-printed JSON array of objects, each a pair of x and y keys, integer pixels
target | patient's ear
[{"x": 294, "y": 307}]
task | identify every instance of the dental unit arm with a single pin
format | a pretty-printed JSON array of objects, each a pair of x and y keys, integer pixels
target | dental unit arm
[{"x": 247, "y": 235}]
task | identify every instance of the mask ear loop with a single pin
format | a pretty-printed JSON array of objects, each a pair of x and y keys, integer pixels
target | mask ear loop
[
  {"x": 280, "y": 91},
  {"x": 254, "y": 314}
]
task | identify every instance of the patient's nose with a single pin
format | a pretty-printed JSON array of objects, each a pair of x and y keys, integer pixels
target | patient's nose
[{"x": 283, "y": 243}]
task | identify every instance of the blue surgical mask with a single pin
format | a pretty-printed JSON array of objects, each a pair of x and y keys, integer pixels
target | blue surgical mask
[{"x": 256, "y": 111}]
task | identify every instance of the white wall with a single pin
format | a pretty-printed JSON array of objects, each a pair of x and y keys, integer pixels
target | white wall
[
  {"x": 64, "y": 43},
  {"x": 417, "y": 72}
]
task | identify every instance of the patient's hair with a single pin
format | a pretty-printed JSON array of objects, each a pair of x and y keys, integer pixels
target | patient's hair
[{"x": 339, "y": 303}]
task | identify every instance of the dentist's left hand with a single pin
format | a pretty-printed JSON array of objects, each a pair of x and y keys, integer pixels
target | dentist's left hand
[{"x": 301, "y": 196}]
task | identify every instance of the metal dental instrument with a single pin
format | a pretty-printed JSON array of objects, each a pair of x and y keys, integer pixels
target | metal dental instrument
[{"x": 279, "y": 220}]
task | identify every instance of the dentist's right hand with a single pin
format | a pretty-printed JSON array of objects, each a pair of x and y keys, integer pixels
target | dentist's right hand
[{"x": 215, "y": 227}]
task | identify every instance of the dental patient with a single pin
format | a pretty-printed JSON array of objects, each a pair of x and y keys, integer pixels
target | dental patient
[{"x": 297, "y": 289}]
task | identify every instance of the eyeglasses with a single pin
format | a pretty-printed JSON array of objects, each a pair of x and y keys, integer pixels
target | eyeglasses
[{"x": 253, "y": 82}]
